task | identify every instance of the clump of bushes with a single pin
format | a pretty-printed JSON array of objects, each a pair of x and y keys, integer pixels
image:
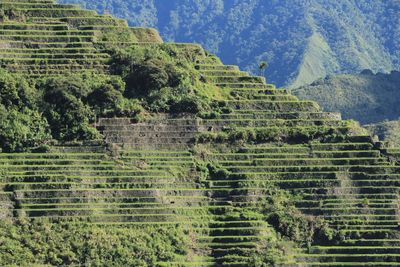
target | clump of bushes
[
  {"x": 21, "y": 123},
  {"x": 63, "y": 244},
  {"x": 163, "y": 77},
  {"x": 60, "y": 108},
  {"x": 274, "y": 134},
  {"x": 72, "y": 104}
]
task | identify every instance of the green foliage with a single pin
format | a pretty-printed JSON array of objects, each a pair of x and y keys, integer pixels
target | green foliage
[
  {"x": 162, "y": 76},
  {"x": 65, "y": 244},
  {"x": 388, "y": 131},
  {"x": 21, "y": 124},
  {"x": 368, "y": 98},
  {"x": 21, "y": 129},
  {"x": 150, "y": 75},
  {"x": 15, "y": 91},
  {"x": 65, "y": 110},
  {"x": 65, "y": 106},
  {"x": 278, "y": 134}
]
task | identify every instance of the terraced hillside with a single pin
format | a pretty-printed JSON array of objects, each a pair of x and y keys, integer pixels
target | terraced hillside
[
  {"x": 41, "y": 37},
  {"x": 263, "y": 180}
]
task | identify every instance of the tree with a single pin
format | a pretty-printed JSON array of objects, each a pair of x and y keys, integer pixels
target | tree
[
  {"x": 69, "y": 117},
  {"x": 20, "y": 130},
  {"x": 262, "y": 67}
]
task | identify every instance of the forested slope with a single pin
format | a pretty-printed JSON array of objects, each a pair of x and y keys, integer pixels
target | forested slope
[{"x": 365, "y": 97}]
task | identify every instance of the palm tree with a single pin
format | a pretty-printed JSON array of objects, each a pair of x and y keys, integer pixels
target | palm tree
[{"x": 262, "y": 67}]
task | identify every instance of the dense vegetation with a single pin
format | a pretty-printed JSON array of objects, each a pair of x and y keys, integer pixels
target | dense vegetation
[
  {"x": 388, "y": 131},
  {"x": 40, "y": 243},
  {"x": 366, "y": 97},
  {"x": 301, "y": 40},
  {"x": 148, "y": 79}
]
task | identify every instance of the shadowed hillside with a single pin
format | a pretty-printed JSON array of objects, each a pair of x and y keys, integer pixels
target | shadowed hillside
[
  {"x": 366, "y": 97},
  {"x": 388, "y": 131}
]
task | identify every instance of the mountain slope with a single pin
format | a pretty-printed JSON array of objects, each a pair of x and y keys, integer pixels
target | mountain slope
[
  {"x": 366, "y": 97},
  {"x": 301, "y": 40},
  {"x": 388, "y": 131}
]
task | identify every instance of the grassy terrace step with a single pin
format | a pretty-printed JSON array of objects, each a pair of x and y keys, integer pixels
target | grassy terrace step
[
  {"x": 237, "y": 114},
  {"x": 42, "y": 32},
  {"x": 41, "y": 66},
  {"x": 312, "y": 182},
  {"x": 364, "y": 222},
  {"x": 313, "y": 147},
  {"x": 133, "y": 201},
  {"x": 72, "y": 172},
  {"x": 80, "y": 21},
  {"x": 121, "y": 205},
  {"x": 300, "y": 154},
  {"x": 46, "y": 38},
  {"x": 164, "y": 145},
  {"x": 150, "y": 141},
  {"x": 214, "y": 67},
  {"x": 390, "y": 210},
  {"x": 224, "y": 73},
  {"x": 47, "y": 45},
  {"x": 56, "y": 69},
  {"x": 126, "y": 184},
  {"x": 151, "y": 129},
  {"x": 35, "y": 156},
  {"x": 362, "y": 190},
  {"x": 37, "y": 5},
  {"x": 41, "y": 56},
  {"x": 29, "y": 1},
  {"x": 289, "y": 114},
  {"x": 234, "y": 79},
  {"x": 134, "y": 209},
  {"x": 303, "y": 161},
  {"x": 395, "y": 257},
  {"x": 191, "y": 127},
  {"x": 272, "y": 122},
  {"x": 341, "y": 146},
  {"x": 261, "y": 96},
  {"x": 60, "y": 50},
  {"x": 243, "y": 85},
  {"x": 91, "y": 216},
  {"x": 17, "y": 160},
  {"x": 19, "y": 26},
  {"x": 361, "y": 203},
  {"x": 316, "y": 168},
  {"x": 353, "y": 264},
  {"x": 265, "y": 102},
  {"x": 77, "y": 180},
  {"x": 83, "y": 61},
  {"x": 157, "y": 152},
  {"x": 55, "y": 12}
]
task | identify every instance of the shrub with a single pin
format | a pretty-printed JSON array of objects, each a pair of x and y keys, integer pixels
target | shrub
[
  {"x": 163, "y": 77},
  {"x": 21, "y": 129},
  {"x": 63, "y": 244},
  {"x": 150, "y": 75},
  {"x": 15, "y": 91},
  {"x": 69, "y": 117},
  {"x": 105, "y": 100}
]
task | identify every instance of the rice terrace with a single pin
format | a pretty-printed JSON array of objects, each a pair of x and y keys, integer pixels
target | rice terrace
[{"x": 121, "y": 149}]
